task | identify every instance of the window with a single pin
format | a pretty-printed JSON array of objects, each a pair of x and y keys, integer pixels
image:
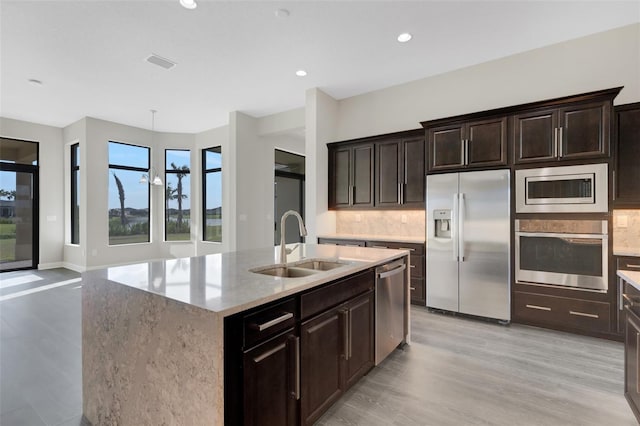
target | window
[
  {"x": 177, "y": 195},
  {"x": 128, "y": 198},
  {"x": 212, "y": 194},
  {"x": 75, "y": 197}
]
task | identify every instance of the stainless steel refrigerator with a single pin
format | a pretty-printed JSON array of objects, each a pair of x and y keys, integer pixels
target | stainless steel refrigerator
[{"x": 468, "y": 243}]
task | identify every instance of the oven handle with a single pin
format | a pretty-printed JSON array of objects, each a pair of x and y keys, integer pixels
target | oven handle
[{"x": 562, "y": 236}]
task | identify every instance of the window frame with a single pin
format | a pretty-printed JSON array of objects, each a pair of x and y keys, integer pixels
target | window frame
[
  {"x": 75, "y": 199},
  {"x": 168, "y": 172},
  {"x": 132, "y": 169},
  {"x": 205, "y": 171}
]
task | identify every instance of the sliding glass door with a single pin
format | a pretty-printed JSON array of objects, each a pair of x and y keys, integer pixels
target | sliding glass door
[{"x": 18, "y": 205}]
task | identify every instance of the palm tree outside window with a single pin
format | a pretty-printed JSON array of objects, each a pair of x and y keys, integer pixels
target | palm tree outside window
[{"x": 177, "y": 195}]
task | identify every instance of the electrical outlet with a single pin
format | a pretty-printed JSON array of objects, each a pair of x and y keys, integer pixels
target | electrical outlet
[
  {"x": 403, "y": 219},
  {"x": 623, "y": 221},
  {"x": 358, "y": 218}
]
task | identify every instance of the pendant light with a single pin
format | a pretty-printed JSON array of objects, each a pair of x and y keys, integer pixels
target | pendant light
[{"x": 152, "y": 171}]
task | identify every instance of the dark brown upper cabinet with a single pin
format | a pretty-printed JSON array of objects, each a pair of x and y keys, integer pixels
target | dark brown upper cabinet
[
  {"x": 570, "y": 132},
  {"x": 627, "y": 164},
  {"x": 399, "y": 173},
  {"x": 351, "y": 176},
  {"x": 461, "y": 145}
]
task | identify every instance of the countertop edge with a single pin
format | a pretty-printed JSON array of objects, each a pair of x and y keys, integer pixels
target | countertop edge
[{"x": 632, "y": 277}]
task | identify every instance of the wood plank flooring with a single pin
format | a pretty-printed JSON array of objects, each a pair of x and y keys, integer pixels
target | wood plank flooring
[
  {"x": 459, "y": 371},
  {"x": 456, "y": 371}
]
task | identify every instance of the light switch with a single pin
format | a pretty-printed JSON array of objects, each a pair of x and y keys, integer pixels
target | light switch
[
  {"x": 622, "y": 221},
  {"x": 52, "y": 218},
  {"x": 358, "y": 217}
]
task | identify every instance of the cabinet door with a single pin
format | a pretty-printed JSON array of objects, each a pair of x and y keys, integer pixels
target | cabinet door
[
  {"x": 360, "y": 354},
  {"x": 632, "y": 360},
  {"x": 388, "y": 173},
  {"x": 486, "y": 142},
  {"x": 627, "y": 178},
  {"x": 446, "y": 148},
  {"x": 584, "y": 130},
  {"x": 323, "y": 348},
  {"x": 340, "y": 176},
  {"x": 362, "y": 175},
  {"x": 414, "y": 173},
  {"x": 271, "y": 382},
  {"x": 534, "y": 136}
]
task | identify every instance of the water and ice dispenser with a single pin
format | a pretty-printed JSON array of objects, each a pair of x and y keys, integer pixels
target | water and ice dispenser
[{"x": 442, "y": 218}]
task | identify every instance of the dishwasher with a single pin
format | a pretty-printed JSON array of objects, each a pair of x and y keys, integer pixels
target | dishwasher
[{"x": 391, "y": 303}]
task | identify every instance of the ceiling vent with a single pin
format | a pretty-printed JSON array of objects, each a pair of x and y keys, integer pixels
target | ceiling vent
[{"x": 160, "y": 61}]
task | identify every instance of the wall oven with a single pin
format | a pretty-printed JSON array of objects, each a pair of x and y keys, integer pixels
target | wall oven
[
  {"x": 566, "y": 189},
  {"x": 570, "y": 253}
]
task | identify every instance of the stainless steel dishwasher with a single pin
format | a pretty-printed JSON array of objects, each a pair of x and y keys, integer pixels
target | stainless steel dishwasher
[{"x": 391, "y": 302}]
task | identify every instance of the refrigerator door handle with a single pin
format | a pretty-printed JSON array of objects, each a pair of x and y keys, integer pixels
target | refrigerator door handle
[
  {"x": 454, "y": 227},
  {"x": 461, "y": 228}
]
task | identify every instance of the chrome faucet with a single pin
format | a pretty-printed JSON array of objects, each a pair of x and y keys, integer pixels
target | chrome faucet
[{"x": 283, "y": 241}]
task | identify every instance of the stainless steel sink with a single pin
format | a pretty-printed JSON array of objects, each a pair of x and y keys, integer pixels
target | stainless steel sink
[
  {"x": 319, "y": 265},
  {"x": 301, "y": 268},
  {"x": 283, "y": 271}
]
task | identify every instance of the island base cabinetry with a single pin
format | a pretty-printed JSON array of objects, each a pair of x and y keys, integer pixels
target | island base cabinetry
[
  {"x": 273, "y": 399},
  {"x": 631, "y": 302},
  {"x": 337, "y": 350},
  {"x": 323, "y": 344}
]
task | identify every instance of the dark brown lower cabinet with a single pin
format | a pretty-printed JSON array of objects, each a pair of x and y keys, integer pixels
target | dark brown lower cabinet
[
  {"x": 271, "y": 382},
  {"x": 337, "y": 349},
  {"x": 562, "y": 313}
]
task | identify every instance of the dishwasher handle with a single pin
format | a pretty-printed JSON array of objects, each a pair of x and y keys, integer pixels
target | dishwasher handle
[{"x": 394, "y": 271}]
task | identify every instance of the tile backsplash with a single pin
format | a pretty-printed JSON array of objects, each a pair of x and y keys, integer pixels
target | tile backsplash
[
  {"x": 401, "y": 223},
  {"x": 626, "y": 232}
]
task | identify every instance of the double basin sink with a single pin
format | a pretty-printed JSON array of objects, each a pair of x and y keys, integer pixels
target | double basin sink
[{"x": 301, "y": 268}]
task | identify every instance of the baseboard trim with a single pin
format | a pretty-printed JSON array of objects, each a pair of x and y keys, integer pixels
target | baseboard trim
[{"x": 65, "y": 265}]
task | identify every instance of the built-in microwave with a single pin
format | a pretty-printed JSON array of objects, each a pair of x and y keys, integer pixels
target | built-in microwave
[{"x": 565, "y": 189}]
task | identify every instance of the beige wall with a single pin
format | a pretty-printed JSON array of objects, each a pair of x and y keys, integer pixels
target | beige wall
[
  {"x": 626, "y": 232},
  {"x": 599, "y": 61}
]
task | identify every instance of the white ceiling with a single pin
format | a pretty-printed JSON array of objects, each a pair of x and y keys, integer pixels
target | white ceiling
[{"x": 238, "y": 56}]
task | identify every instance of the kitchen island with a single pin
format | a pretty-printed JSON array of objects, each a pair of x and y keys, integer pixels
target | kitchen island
[{"x": 153, "y": 333}]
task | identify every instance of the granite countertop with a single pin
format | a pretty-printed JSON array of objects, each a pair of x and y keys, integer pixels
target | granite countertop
[
  {"x": 371, "y": 237},
  {"x": 222, "y": 283},
  {"x": 632, "y": 277}
]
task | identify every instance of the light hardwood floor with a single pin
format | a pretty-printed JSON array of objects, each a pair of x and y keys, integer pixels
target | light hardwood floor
[{"x": 456, "y": 371}]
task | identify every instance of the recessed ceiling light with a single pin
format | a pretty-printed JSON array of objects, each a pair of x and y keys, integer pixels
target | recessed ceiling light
[
  {"x": 282, "y": 13},
  {"x": 34, "y": 82},
  {"x": 301, "y": 73},
  {"x": 189, "y": 4},
  {"x": 404, "y": 37}
]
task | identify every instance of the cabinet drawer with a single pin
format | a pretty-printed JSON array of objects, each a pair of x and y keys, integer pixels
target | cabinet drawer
[
  {"x": 417, "y": 291},
  {"x": 336, "y": 242},
  {"x": 629, "y": 263},
  {"x": 562, "y": 311},
  {"x": 269, "y": 321},
  {"x": 416, "y": 266},
  {"x": 333, "y": 294},
  {"x": 415, "y": 249}
]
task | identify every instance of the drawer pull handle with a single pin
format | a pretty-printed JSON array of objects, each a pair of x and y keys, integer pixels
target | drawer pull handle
[
  {"x": 384, "y": 247},
  {"x": 584, "y": 314},
  {"x": 412, "y": 288},
  {"x": 541, "y": 308},
  {"x": 407, "y": 248},
  {"x": 631, "y": 265},
  {"x": 275, "y": 321},
  {"x": 628, "y": 299},
  {"x": 412, "y": 266}
]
